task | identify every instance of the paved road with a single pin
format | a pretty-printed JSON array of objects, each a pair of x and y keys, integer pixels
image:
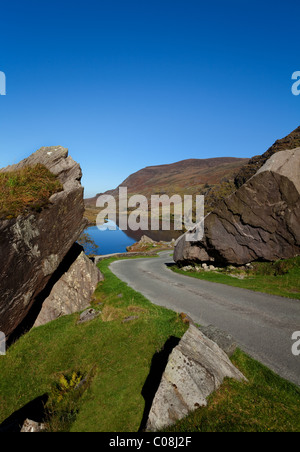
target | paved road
[{"x": 262, "y": 324}]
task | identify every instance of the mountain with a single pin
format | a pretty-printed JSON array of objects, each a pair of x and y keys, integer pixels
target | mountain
[
  {"x": 193, "y": 176},
  {"x": 215, "y": 178}
]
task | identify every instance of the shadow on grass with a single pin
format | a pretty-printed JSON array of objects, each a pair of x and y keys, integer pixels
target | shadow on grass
[
  {"x": 28, "y": 322},
  {"x": 34, "y": 410},
  {"x": 158, "y": 365}
]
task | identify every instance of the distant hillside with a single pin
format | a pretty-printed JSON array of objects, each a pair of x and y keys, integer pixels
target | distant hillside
[
  {"x": 193, "y": 176},
  {"x": 215, "y": 178}
]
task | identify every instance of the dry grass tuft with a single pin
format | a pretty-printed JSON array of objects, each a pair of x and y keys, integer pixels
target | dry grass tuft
[{"x": 28, "y": 189}]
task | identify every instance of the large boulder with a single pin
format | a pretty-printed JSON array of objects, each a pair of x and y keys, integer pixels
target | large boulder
[
  {"x": 74, "y": 288},
  {"x": 260, "y": 221},
  {"x": 196, "y": 368},
  {"x": 33, "y": 246}
]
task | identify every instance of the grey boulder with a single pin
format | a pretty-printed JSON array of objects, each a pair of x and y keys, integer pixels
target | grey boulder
[
  {"x": 223, "y": 339},
  {"x": 196, "y": 368},
  {"x": 260, "y": 221},
  {"x": 73, "y": 290}
]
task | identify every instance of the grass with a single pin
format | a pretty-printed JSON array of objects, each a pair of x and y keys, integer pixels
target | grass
[
  {"x": 266, "y": 404},
  {"x": 27, "y": 189},
  {"x": 114, "y": 357},
  {"x": 119, "y": 354},
  {"x": 276, "y": 278}
]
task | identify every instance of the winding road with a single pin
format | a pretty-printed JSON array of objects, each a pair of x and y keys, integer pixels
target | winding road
[{"x": 262, "y": 324}]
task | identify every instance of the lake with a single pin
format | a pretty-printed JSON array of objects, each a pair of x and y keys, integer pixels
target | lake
[{"x": 116, "y": 241}]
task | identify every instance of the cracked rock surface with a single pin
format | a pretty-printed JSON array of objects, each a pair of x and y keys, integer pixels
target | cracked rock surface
[
  {"x": 196, "y": 368},
  {"x": 33, "y": 246},
  {"x": 260, "y": 221}
]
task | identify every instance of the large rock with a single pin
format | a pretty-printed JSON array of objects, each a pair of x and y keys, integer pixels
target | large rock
[
  {"x": 33, "y": 246},
  {"x": 73, "y": 290},
  {"x": 260, "y": 221},
  {"x": 291, "y": 141},
  {"x": 196, "y": 368},
  {"x": 223, "y": 339}
]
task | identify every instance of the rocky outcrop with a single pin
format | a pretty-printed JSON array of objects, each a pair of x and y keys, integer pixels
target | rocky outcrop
[
  {"x": 291, "y": 141},
  {"x": 33, "y": 246},
  {"x": 223, "y": 339},
  {"x": 73, "y": 290},
  {"x": 260, "y": 221},
  {"x": 196, "y": 368}
]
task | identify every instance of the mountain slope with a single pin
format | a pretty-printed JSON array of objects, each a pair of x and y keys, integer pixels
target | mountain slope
[{"x": 185, "y": 177}]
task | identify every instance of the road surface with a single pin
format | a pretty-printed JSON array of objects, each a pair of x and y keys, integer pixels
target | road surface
[{"x": 262, "y": 324}]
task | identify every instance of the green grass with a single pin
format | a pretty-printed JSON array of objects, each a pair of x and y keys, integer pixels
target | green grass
[
  {"x": 115, "y": 358},
  {"x": 119, "y": 354},
  {"x": 267, "y": 403},
  {"x": 276, "y": 278},
  {"x": 28, "y": 189}
]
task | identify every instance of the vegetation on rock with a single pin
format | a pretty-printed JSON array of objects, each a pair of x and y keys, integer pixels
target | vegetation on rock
[{"x": 25, "y": 190}]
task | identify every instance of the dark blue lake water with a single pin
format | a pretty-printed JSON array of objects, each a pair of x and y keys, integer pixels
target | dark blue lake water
[
  {"x": 116, "y": 241},
  {"x": 109, "y": 241}
]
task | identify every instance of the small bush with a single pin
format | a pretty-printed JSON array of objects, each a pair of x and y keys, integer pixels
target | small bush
[{"x": 278, "y": 268}]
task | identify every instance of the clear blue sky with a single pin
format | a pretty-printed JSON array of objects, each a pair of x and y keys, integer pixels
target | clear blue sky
[{"x": 126, "y": 84}]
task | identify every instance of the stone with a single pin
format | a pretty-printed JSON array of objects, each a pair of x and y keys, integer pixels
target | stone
[
  {"x": 73, "y": 290},
  {"x": 88, "y": 315},
  {"x": 146, "y": 239},
  {"x": 30, "y": 426},
  {"x": 260, "y": 221},
  {"x": 130, "y": 318},
  {"x": 33, "y": 246},
  {"x": 223, "y": 339},
  {"x": 196, "y": 368}
]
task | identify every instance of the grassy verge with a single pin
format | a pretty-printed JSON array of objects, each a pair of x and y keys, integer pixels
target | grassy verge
[
  {"x": 27, "y": 189},
  {"x": 276, "y": 278},
  {"x": 117, "y": 354},
  {"x": 114, "y": 358},
  {"x": 266, "y": 404}
]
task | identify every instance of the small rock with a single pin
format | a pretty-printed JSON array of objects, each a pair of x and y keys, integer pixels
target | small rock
[
  {"x": 130, "y": 318},
  {"x": 30, "y": 426},
  {"x": 88, "y": 315},
  {"x": 146, "y": 239}
]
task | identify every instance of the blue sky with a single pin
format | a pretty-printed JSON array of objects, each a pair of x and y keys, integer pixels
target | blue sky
[{"x": 129, "y": 84}]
